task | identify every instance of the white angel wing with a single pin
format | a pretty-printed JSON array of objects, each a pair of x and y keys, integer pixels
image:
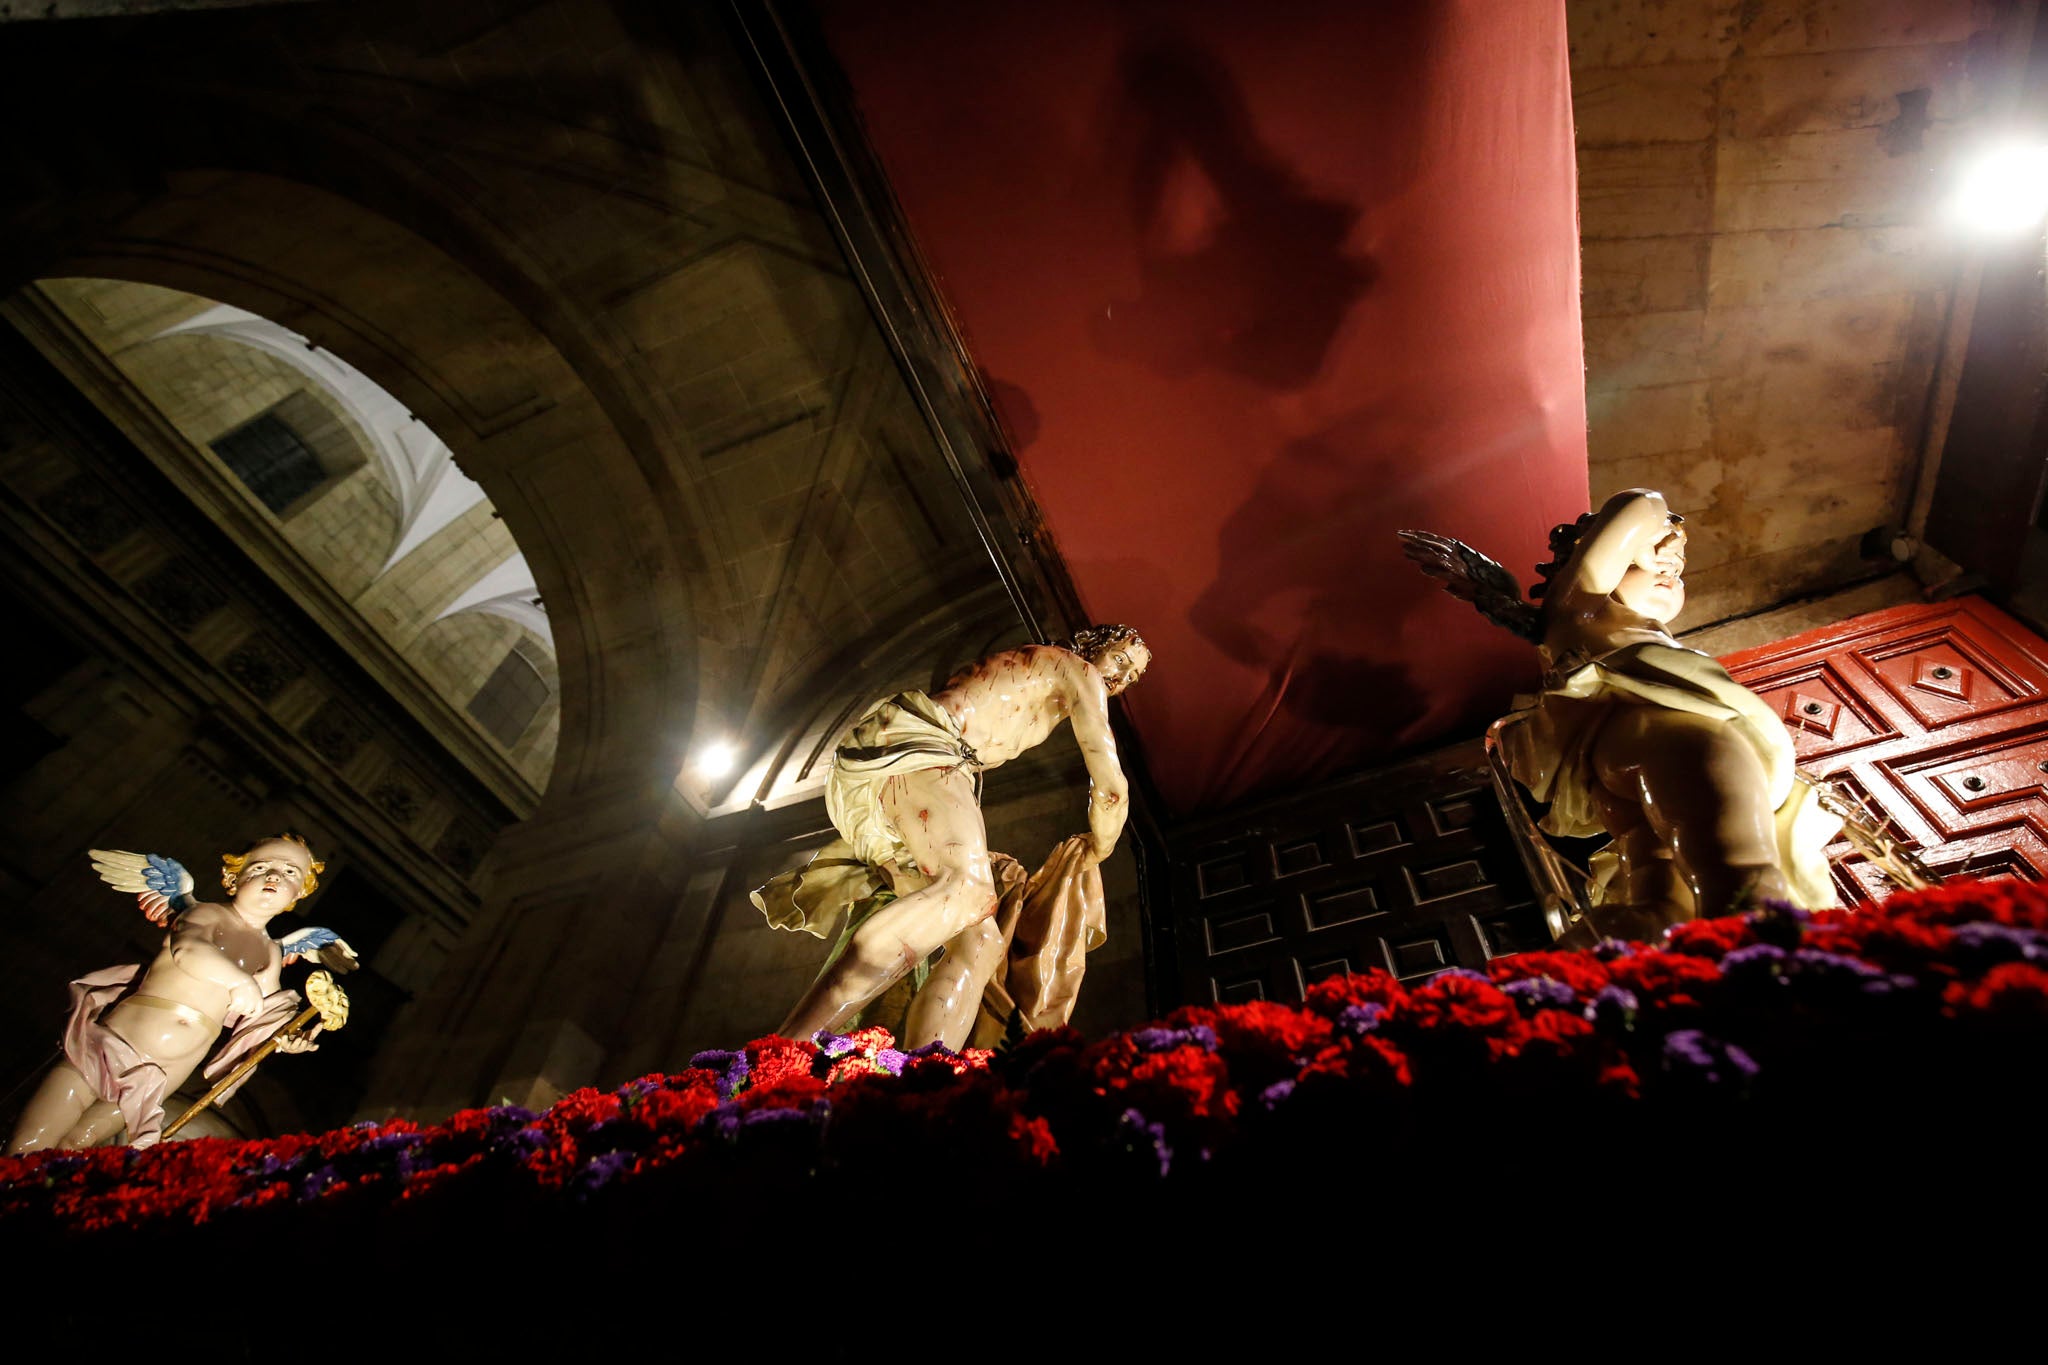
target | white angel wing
[
  {"x": 323, "y": 947},
  {"x": 139, "y": 872}
]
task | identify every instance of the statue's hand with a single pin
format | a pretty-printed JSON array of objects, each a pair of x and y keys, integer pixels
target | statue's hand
[
  {"x": 245, "y": 1001},
  {"x": 299, "y": 1042},
  {"x": 1099, "y": 850},
  {"x": 155, "y": 906}
]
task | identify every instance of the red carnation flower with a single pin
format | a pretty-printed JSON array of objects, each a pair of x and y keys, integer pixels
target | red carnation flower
[
  {"x": 1458, "y": 1001},
  {"x": 1370, "y": 1058},
  {"x": 1713, "y": 938},
  {"x": 1669, "y": 980},
  {"x": 1553, "y": 1032},
  {"x": 1334, "y": 994},
  {"x": 771, "y": 1060},
  {"x": 2013, "y": 990},
  {"x": 1265, "y": 1029},
  {"x": 1583, "y": 972}
]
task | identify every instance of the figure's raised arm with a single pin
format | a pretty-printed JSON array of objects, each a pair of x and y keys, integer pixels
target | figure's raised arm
[
  {"x": 1629, "y": 525},
  {"x": 1108, "y": 792}
]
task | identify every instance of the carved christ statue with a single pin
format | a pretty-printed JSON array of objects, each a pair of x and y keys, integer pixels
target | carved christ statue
[
  {"x": 1639, "y": 737},
  {"x": 905, "y": 795}
]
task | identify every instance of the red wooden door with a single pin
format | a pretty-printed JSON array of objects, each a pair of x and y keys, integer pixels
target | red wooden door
[{"x": 1937, "y": 716}]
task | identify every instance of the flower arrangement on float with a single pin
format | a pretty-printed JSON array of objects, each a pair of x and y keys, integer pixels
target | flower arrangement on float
[{"x": 1726, "y": 1016}]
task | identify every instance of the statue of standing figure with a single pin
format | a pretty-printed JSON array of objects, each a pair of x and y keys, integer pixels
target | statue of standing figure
[
  {"x": 905, "y": 795},
  {"x": 1636, "y": 736},
  {"x": 136, "y": 1033}
]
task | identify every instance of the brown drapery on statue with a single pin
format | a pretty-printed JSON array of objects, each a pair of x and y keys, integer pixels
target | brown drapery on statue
[{"x": 1050, "y": 920}]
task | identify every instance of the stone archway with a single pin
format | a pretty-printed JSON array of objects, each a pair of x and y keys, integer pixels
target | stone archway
[
  {"x": 604, "y": 526},
  {"x": 521, "y": 420},
  {"x": 567, "y": 235}
]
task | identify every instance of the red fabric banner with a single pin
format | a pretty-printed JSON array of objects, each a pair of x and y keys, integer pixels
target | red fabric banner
[{"x": 1253, "y": 288}]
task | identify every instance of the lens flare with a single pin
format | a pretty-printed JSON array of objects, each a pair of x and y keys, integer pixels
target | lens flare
[{"x": 2004, "y": 191}]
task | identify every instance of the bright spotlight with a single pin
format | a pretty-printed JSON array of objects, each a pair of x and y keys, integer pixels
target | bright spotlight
[
  {"x": 717, "y": 759},
  {"x": 2004, "y": 191}
]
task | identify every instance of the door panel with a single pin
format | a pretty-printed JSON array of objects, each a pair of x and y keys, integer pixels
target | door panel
[{"x": 1937, "y": 716}]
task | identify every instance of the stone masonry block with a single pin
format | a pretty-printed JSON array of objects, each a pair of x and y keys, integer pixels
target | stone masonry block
[
  {"x": 1654, "y": 190},
  {"x": 1643, "y": 275},
  {"x": 1624, "y": 106},
  {"x": 1639, "y": 32}
]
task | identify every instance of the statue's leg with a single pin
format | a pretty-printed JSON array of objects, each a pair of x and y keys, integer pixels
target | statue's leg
[
  {"x": 935, "y": 814},
  {"x": 100, "y": 1122},
  {"x": 52, "y": 1112},
  {"x": 946, "y": 1005},
  {"x": 1704, "y": 794}
]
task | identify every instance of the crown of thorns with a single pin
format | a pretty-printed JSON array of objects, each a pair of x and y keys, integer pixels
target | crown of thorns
[{"x": 1092, "y": 642}]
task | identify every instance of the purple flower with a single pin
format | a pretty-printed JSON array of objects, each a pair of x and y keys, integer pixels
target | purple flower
[
  {"x": 601, "y": 1171},
  {"x": 771, "y": 1118},
  {"x": 1361, "y": 1019},
  {"x": 632, "y": 1092},
  {"x": 1540, "y": 992},
  {"x": 1821, "y": 963},
  {"x": 724, "y": 1121},
  {"x": 316, "y": 1182},
  {"x": 1758, "y": 959},
  {"x": 2003, "y": 942},
  {"x": 1272, "y": 1096},
  {"x": 508, "y": 1117},
  {"x": 730, "y": 1067},
  {"x": 1608, "y": 949},
  {"x": 832, "y": 1044},
  {"x": 1163, "y": 1039},
  {"x": 934, "y": 1048},
  {"x": 390, "y": 1142},
  {"x": 891, "y": 1060},
  {"x": 1614, "y": 1006},
  {"x": 1140, "y": 1132},
  {"x": 522, "y": 1142},
  {"x": 1689, "y": 1052},
  {"x": 1466, "y": 972}
]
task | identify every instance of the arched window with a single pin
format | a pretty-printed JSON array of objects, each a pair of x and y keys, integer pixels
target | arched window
[
  {"x": 289, "y": 452},
  {"x": 509, "y": 700},
  {"x": 271, "y": 460}
]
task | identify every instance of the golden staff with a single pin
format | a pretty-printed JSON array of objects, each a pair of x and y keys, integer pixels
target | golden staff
[{"x": 330, "y": 1005}]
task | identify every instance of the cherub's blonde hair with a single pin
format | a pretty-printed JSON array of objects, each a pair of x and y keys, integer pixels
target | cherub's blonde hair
[{"x": 231, "y": 863}]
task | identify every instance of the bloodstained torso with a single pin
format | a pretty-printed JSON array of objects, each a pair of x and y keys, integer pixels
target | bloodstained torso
[{"x": 1011, "y": 701}]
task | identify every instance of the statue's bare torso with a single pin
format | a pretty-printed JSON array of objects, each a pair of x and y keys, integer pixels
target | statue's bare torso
[
  {"x": 1013, "y": 701},
  {"x": 1004, "y": 704}
]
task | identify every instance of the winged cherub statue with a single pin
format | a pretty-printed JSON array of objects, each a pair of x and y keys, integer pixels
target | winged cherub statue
[
  {"x": 135, "y": 1033},
  {"x": 1639, "y": 737}
]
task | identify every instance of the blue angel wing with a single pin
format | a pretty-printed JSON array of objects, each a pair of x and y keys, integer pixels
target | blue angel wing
[
  {"x": 321, "y": 946},
  {"x": 139, "y": 872}
]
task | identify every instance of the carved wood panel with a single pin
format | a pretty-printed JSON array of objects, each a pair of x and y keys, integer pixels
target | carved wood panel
[
  {"x": 1409, "y": 869},
  {"x": 1937, "y": 716}
]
